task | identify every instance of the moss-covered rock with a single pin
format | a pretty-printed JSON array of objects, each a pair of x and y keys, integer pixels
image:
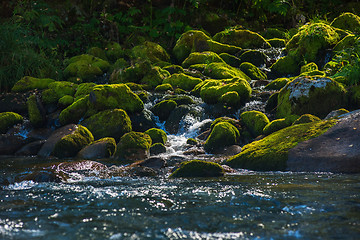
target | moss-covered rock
[
  {"x": 306, "y": 118},
  {"x": 230, "y": 59},
  {"x": 30, "y": 83},
  {"x": 85, "y": 67},
  {"x": 133, "y": 146},
  {"x": 109, "y": 123},
  {"x": 277, "y": 42},
  {"x": 231, "y": 99},
  {"x": 9, "y": 119},
  {"x": 97, "y": 52},
  {"x": 36, "y": 116},
  {"x": 223, "y": 134},
  {"x": 317, "y": 96},
  {"x": 62, "y": 88},
  {"x": 65, "y": 101},
  {"x": 315, "y": 73},
  {"x": 252, "y": 71},
  {"x": 271, "y": 103},
  {"x": 275, "y": 125},
  {"x": 114, "y": 51},
  {"x": 241, "y": 38},
  {"x": 212, "y": 90},
  {"x": 347, "y": 21},
  {"x": 150, "y": 51},
  {"x": 83, "y": 89},
  {"x": 113, "y": 96},
  {"x": 254, "y": 121},
  {"x": 190, "y": 41},
  {"x": 256, "y": 57},
  {"x": 311, "y": 40},
  {"x": 174, "y": 69},
  {"x": 309, "y": 67},
  {"x": 74, "y": 112},
  {"x": 163, "y": 109},
  {"x": 285, "y": 66},
  {"x": 336, "y": 113},
  {"x": 154, "y": 77},
  {"x": 102, "y": 148},
  {"x": 271, "y": 152},
  {"x": 199, "y": 58},
  {"x": 157, "y": 148},
  {"x": 277, "y": 84},
  {"x": 183, "y": 81},
  {"x": 273, "y": 33},
  {"x": 157, "y": 135},
  {"x": 198, "y": 168},
  {"x": 219, "y": 48},
  {"x": 164, "y": 88},
  {"x": 133, "y": 73},
  {"x": 71, "y": 144},
  {"x": 223, "y": 71},
  {"x": 180, "y": 99},
  {"x": 192, "y": 141},
  {"x": 347, "y": 42}
]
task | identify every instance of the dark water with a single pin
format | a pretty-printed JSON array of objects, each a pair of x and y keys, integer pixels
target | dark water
[{"x": 248, "y": 205}]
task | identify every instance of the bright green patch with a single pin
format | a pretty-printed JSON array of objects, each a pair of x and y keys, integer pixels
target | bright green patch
[
  {"x": 30, "y": 83},
  {"x": 223, "y": 71},
  {"x": 201, "y": 58},
  {"x": 157, "y": 135},
  {"x": 9, "y": 119},
  {"x": 182, "y": 81},
  {"x": 241, "y": 38},
  {"x": 277, "y": 84},
  {"x": 309, "y": 67},
  {"x": 255, "y": 121},
  {"x": 275, "y": 125},
  {"x": 306, "y": 118},
  {"x": 198, "y": 168},
  {"x": 164, "y": 87},
  {"x": 150, "y": 51},
  {"x": 252, "y": 71},
  {"x": 37, "y": 119}
]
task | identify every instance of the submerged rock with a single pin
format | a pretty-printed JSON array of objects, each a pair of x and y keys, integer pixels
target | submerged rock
[{"x": 198, "y": 168}]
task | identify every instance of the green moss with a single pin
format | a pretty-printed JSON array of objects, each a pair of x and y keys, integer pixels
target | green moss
[
  {"x": 97, "y": 52},
  {"x": 212, "y": 90},
  {"x": 241, "y": 38},
  {"x": 223, "y": 134},
  {"x": 273, "y": 33},
  {"x": 109, "y": 123},
  {"x": 277, "y": 42},
  {"x": 219, "y": 48},
  {"x": 223, "y": 71},
  {"x": 277, "y": 84},
  {"x": 66, "y": 101},
  {"x": 275, "y": 125},
  {"x": 157, "y": 135},
  {"x": 231, "y": 99},
  {"x": 190, "y": 41},
  {"x": 134, "y": 86},
  {"x": 198, "y": 168},
  {"x": 199, "y": 58},
  {"x": 174, "y": 69},
  {"x": 252, "y": 71},
  {"x": 232, "y": 121},
  {"x": 83, "y": 89},
  {"x": 230, "y": 59},
  {"x": 271, "y": 152},
  {"x": 120, "y": 64},
  {"x": 154, "y": 77},
  {"x": 315, "y": 73},
  {"x": 49, "y": 96},
  {"x": 309, "y": 67},
  {"x": 157, "y": 148},
  {"x": 143, "y": 95},
  {"x": 71, "y": 144},
  {"x": 182, "y": 81},
  {"x": 191, "y": 141},
  {"x": 306, "y": 118},
  {"x": 255, "y": 121},
  {"x": 114, "y": 51},
  {"x": 30, "y": 83},
  {"x": 110, "y": 145},
  {"x": 347, "y": 42},
  {"x": 180, "y": 99},
  {"x": 62, "y": 88},
  {"x": 74, "y": 112},
  {"x": 36, "y": 117},
  {"x": 287, "y": 65},
  {"x": 164, "y": 87},
  {"x": 255, "y": 57},
  {"x": 130, "y": 143},
  {"x": 163, "y": 109},
  {"x": 347, "y": 21},
  {"x": 112, "y": 96},
  {"x": 9, "y": 119},
  {"x": 150, "y": 51}
]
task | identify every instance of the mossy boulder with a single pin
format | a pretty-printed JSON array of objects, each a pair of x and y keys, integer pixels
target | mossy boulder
[
  {"x": 309, "y": 67},
  {"x": 30, "y": 83},
  {"x": 85, "y": 67},
  {"x": 9, "y": 119},
  {"x": 336, "y": 113},
  {"x": 157, "y": 135},
  {"x": 306, "y": 118},
  {"x": 174, "y": 69},
  {"x": 62, "y": 88},
  {"x": 112, "y": 96},
  {"x": 71, "y": 144},
  {"x": 157, "y": 148},
  {"x": 223, "y": 134},
  {"x": 133, "y": 146},
  {"x": 190, "y": 41},
  {"x": 109, "y": 123},
  {"x": 219, "y": 70},
  {"x": 230, "y": 59},
  {"x": 285, "y": 66},
  {"x": 241, "y": 38},
  {"x": 219, "y": 48},
  {"x": 97, "y": 52},
  {"x": 150, "y": 51},
  {"x": 347, "y": 21},
  {"x": 271, "y": 152},
  {"x": 36, "y": 116},
  {"x": 212, "y": 90},
  {"x": 180, "y": 99},
  {"x": 102, "y": 148},
  {"x": 154, "y": 77},
  {"x": 275, "y": 125},
  {"x": 254, "y": 121},
  {"x": 315, "y": 73},
  {"x": 74, "y": 112},
  {"x": 198, "y": 168},
  {"x": 192, "y": 141},
  {"x": 199, "y": 58},
  {"x": 114, "y": 51},
  {"x": 256, "y": 57},
  {"x": 83, "y": 89},
  {"x": 183, "y": 81},
  {"x": 65, "y": 101},
  {"x": 317, "y": 96},
  {"x": 252, "y": 71},
  {"x": 277, "y": 42},
  {"x": 133, "y": 73},
  {"x": 277, "y": 84},
  {"x": 311, "y": 39},
  {"x": 164, "y": 88},
  {"x": 273, "y": 33},
  {"x": 347, "y": 42},
  {"x": 230, "y": 99},
  {"x": 163, "y": 109}
]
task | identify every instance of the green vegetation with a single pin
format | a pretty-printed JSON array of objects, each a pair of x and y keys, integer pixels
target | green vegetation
[{"x": 198, "y": 168}]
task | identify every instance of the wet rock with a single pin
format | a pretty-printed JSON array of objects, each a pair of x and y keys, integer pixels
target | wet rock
[
  {"x": 163, "y": 109},
  {"x": 102, "y": 148},
  {"x": 223, "y": 134},
  {"x": 197, "y": 168},
  {"x": 229, "y": 150},
  {"x": 194, "y": 151},
  {"x": 30, "y": 149},
  {"x": 336, "y": 113},
  {"x": 142, "y": 121},
  {"x": 153, "y": 162},
  {"x": 142, "y": 172},
  {"x": 40, "y": 133},
  {"x": 133, "y": 146},
  {"x": 10, "y": 143},
  {"x": 255, "y": 57},
  {"x": 157, "y": 135},
  {"x": 9, "y": 119},
  {"x": 157, "y": 149},
  {"x": 173, "y": 121},
  {"x": 254, "y": 121},
  {"x": 75, "y": 166},
  {"x": 14, "y": 102}
]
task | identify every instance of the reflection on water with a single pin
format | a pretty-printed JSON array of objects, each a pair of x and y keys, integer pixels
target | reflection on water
[{"x": 247, "y": 206}]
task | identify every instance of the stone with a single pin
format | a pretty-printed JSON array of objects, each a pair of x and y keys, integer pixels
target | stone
[
  {"x": 255, "y": 57},
  {"x": 150, "y": 51},
  {"x": 254, "y": 121},
  {"x": 30, "y": 83},
  {"x": 36, "y": 111},
  {"x": 102, "y": 148},
  {"x": 183, "y": 81},
  {"x": 157, "y": 148},
  {"x": 30, "y": 149},
  {"x": 347, "y": 21},
  {"x": 157, "y": 135},
  {"x": 163, "y": 109},
  {"x": 223, "y": 134},
  {"x": 252, "y": 71},
  {"x": 223, "y": 71},
  {"x": 201, "y": 58},
  {"x": 241, "y": 38},
  {"x": 8, "y": 120},
  {"x": 277, "y": 84},
  {"x": 133, "y": 146},
  {"x": 198, "y": 168}
]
